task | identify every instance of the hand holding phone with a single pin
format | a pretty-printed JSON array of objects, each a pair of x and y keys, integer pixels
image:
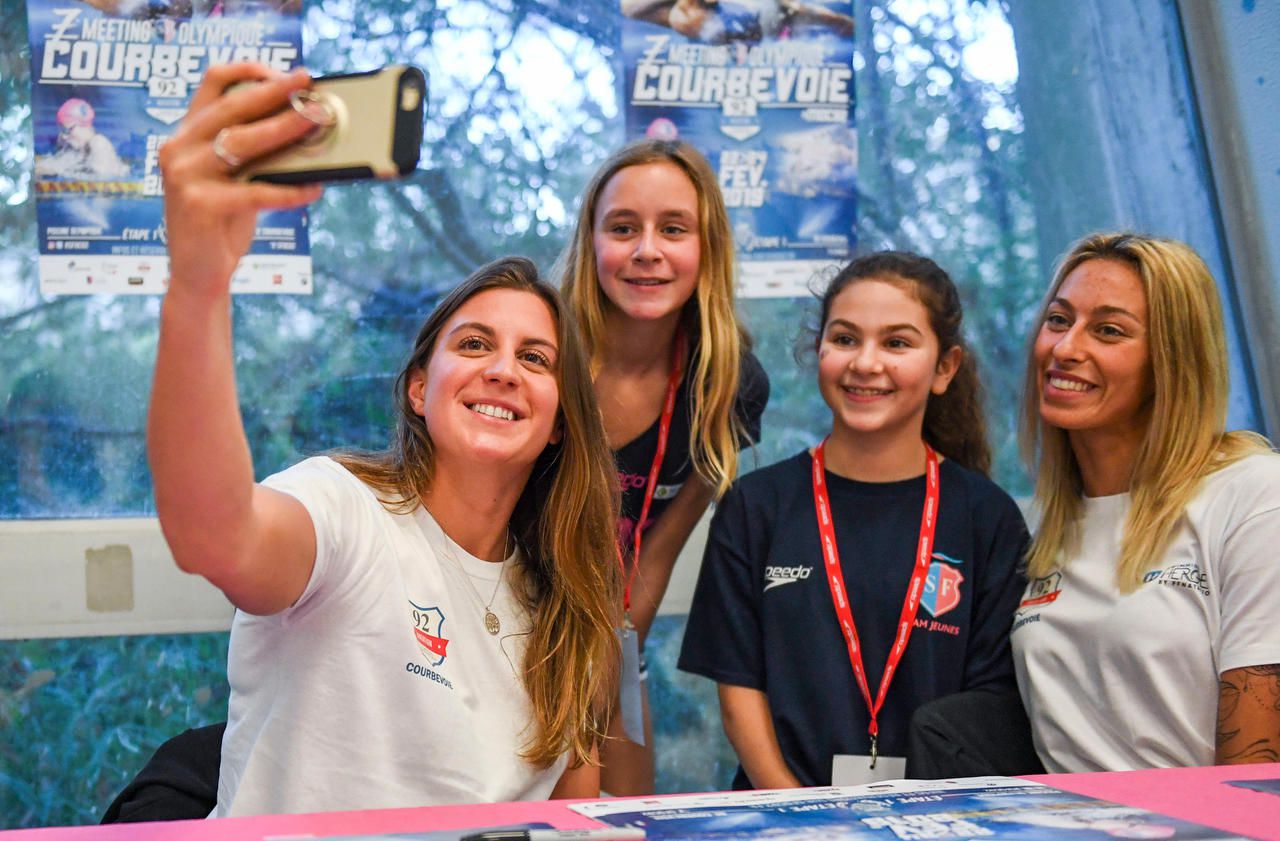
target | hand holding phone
[{"x": 368, "y": 125}]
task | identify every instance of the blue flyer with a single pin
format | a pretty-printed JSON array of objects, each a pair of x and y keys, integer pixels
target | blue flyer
[
  {"x": 110, "y": 81},
  {"x": 764, "y": 88},
  {"x": 1266, "y": 786},
  {"x": 905, "y": 810}
]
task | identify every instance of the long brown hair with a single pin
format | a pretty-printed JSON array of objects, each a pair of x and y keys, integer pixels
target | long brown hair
[
  {"x": 954, "y": 422},
  {"x": 565, "y": 522},
  {"x": 1186, "y": 438},
  {"x": 710, "y": 315}
]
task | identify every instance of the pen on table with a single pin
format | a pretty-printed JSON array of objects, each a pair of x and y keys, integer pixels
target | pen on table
[{"x": 618, "y": 833}]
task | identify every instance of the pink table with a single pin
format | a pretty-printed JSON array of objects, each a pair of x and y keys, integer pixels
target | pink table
[
  {"x": 312, "y": 826},
  {"x": 1195, "y": 794},
  {"x": 1200, "y": 795}
]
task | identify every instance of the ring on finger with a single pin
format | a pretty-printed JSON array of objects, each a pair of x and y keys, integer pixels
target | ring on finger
[{"x": 229, "y": 159}]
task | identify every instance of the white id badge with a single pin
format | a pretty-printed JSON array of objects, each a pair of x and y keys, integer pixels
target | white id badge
[
  {"x": 848, "y": 770},
  {"x": 630, "y": 706}
]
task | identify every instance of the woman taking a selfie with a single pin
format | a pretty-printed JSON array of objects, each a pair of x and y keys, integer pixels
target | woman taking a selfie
[
  {"x": 1147, "y": 635},
  {"x": 416, "y": 625},
  {"x": 649, "y": 275}
]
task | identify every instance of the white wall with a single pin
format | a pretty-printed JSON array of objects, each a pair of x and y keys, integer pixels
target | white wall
[
  {"x": 70, "y": 578},
  {"x": 74, "y": 578}
]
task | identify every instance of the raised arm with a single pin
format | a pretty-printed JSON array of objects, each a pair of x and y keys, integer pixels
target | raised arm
[
  {"x": 654, "y": 11},
  {"x": 807, "y": 13},
  {"x": 255, "y": 544}
]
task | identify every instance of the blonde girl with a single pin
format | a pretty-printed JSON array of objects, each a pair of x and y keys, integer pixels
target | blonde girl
[{"x": 649, "y": 274}]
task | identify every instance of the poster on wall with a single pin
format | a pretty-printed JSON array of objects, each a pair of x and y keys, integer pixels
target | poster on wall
[
  {"x": 110, "y": 81},
  {"x": 763, "y": 88}
]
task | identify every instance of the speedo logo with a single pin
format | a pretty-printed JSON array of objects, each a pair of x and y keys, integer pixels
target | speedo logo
[{"x": 777, "y": 576}]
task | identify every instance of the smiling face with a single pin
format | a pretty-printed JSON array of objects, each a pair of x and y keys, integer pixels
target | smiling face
[
  {"x": 1092, "y": 352},
  {"x": 878, "y": 360},
  {"x": 647, "y": 241},
  {"x": 489, "y": 393}
]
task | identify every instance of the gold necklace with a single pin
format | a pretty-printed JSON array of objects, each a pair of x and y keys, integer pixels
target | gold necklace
[{"x": 491, "y": 622}]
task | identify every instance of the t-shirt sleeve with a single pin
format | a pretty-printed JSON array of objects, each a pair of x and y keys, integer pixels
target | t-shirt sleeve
[
  {"x": 335, "y": 501},
  {"x": 1248, "y": 570},
  {"x": 753, "y": 396},
  {"x": 722, "y": 639},
  {"x": 1003, "y": 544}
]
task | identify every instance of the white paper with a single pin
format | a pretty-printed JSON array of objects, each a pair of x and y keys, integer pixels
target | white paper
[
  {"x": 770, "y": 797},
  {"x": 853, "y": 770},
  {"x": 631, "y": 708}
]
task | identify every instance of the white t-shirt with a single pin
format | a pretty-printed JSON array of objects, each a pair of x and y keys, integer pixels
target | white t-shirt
[
  {"x": 1114, "y": 682},
  {"x": 380, "y": 687}
]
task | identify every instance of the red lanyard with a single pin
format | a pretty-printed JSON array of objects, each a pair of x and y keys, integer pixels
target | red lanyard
[
  {"x": 835, "y": 578},
  {"x": 664, "y": 429}
]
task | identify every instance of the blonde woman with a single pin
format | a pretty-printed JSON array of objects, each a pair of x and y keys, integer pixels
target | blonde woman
[
  {"x": 429, "y": 624},
  {"x": 649, "y": 275},
  {"x": 1146, "y": 636}
]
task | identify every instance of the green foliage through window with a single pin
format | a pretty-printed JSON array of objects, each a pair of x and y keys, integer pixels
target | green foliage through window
[{"x": 523, "y": 107}]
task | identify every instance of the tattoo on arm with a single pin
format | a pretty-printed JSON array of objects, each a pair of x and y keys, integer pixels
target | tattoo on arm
[{"x": 1249, "y": 715}]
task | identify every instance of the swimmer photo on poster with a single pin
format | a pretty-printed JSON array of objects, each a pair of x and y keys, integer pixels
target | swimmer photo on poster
[
  {"x": 80, "y": 151},
  {"x": 110, "y": 79}
]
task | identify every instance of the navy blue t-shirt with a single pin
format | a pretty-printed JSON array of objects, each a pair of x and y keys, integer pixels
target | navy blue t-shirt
[
  {"x": 762, "y": 615},
  {"x": 635, "y": 458}
]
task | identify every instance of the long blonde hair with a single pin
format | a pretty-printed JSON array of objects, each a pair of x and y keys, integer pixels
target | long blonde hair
[
  {"x": 565, "y": 522},
  {"x": 710, "y": 315},
  {"x": 1186, "y": 438}
]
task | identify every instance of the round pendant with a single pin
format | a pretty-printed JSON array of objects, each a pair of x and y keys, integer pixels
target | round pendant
[{"x": 491, "y": 623}]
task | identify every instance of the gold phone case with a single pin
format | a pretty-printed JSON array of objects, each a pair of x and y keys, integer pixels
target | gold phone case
[{"x": 376, "y": 130}]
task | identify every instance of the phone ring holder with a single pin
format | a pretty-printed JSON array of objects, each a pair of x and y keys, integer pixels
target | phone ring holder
[
  {"x": 322, "y": 110},
  {"x": 314, "y": 107}
]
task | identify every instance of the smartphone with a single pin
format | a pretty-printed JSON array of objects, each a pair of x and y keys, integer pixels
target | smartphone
[{"x": 374, "y": 130}]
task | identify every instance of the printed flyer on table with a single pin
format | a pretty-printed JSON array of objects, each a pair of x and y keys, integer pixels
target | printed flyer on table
[{"x": 907, "y": 810}]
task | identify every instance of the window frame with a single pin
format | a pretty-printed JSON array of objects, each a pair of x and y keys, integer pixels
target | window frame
[
  {"x": 45, "y": 561},
  {"x": 1221, "y": 59}
]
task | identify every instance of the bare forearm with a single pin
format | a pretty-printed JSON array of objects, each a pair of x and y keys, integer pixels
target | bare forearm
[
  {"x": 200, "y": 461},
  {"x": 660, "y": 549},
  {"x": 647, "y": 9},
  {"x": 257, "y": 545},
  {"x": 1248, "y": 715},
  {"x": 749, "y": 725},
  {"x": 809, "y": 14}
]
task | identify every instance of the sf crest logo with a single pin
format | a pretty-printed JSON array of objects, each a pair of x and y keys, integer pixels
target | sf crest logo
[
  {"x": 942, "y": 587},
  {"x": 428, "y": 630}
]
